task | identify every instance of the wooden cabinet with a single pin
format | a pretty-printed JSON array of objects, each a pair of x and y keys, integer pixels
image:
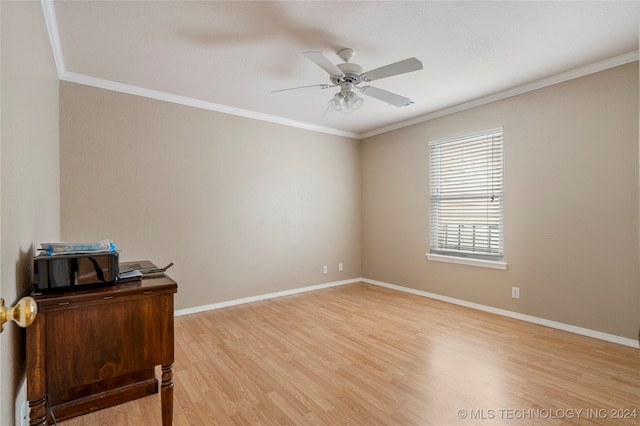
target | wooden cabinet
[{"x": 93, "y": 348}]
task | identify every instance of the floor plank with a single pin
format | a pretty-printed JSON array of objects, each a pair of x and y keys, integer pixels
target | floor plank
[{"x": 360, "y": 354}]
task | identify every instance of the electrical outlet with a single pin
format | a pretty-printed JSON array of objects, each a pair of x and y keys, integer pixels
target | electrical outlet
[
  {"x": 325, "y": 269},
  {"x": 340, "y": 268},
  {"x": 515, "y": 292}
]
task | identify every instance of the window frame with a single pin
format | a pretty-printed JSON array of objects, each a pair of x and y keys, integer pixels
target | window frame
[{"x": 467, "y": 257}]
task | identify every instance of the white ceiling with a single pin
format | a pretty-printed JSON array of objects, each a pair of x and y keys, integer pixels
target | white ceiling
[{"x": 230, "y": 55}]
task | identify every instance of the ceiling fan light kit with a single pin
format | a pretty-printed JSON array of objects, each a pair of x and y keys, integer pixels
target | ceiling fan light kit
[
  {"x": 346, "y": 100},
  {"x": 349, "y": 75}
]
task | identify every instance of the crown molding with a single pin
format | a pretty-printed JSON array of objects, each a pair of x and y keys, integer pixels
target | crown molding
[
  {"x": 183, "y": 100},
  {"x": 538, "y": 84},
  {"x": 63, "y": 74},
  {"x": 197, "y": 103},
  {"x": 54, "y": 35}
]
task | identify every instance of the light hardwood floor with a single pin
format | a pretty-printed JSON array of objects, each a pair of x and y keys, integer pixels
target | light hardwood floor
[{"x": 363, "y": 355}]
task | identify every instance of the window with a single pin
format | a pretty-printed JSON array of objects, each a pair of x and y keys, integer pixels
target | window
[{"x": 466, "y": 196}]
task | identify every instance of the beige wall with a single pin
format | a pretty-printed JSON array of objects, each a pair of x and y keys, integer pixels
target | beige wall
[
  {"x": 30, "y": 194},
  {"x": 571, "y": 205},
  {"x": 245, "y": 207},
  {"x": 242, "y": 207}
]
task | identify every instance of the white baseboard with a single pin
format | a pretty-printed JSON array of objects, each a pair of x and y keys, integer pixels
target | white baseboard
[
  {"x": 516, "y": 315},
  {"x": 228, "y": 303},
  {"x": 528, "y": 318}
]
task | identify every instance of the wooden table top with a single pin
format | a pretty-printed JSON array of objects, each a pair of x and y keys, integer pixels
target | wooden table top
[{"x": 155, "y": 282}]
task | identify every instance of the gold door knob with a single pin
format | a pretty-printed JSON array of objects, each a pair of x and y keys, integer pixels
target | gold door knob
[{"x": 22, "y": 314}]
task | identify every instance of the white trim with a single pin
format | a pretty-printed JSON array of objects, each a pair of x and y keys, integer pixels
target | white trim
[
  {"x": 539, "y": 84},
  {"x": 516, "y": 315},
  {"x": 54, "y": 35},
  {"x": 466, "y": 136},
  {"x": 235, "y": 302},
  {"x": 197, "y": 103},
  {"x": 510, "y": 314},
  {"x": 183, "y": 100},
  {"x": 467, "y": 261}
]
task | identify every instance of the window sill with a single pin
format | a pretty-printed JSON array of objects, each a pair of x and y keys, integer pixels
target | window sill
[{"x": 467, "y": 261}]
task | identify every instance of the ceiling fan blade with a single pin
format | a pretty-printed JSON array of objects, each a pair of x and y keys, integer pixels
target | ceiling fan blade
[
  {"x": 322, "y": 86},
  {"x": 320, "y": 60},
  {"x": 384, "y": 96},
  {"x": 408, "y": 65}
]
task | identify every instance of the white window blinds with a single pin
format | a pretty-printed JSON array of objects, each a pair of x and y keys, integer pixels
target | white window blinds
[{"x": 466, "y": 196}]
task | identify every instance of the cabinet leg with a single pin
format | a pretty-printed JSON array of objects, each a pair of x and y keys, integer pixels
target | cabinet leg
[
  {"x": 38, "y": 412},
  {"x": 166, "y": 395}
]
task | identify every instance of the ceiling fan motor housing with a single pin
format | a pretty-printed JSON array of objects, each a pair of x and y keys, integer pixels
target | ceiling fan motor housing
[{"x": 351, "y": 74}]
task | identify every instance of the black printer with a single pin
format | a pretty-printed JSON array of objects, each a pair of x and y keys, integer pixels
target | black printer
[{"x": 63, "y": 272}]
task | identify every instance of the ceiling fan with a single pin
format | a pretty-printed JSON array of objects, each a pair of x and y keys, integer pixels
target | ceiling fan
[{"x": 348, "y": 76}]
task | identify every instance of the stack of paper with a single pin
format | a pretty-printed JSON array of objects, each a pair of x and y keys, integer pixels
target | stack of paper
[{"x": 104, "y": 246}]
